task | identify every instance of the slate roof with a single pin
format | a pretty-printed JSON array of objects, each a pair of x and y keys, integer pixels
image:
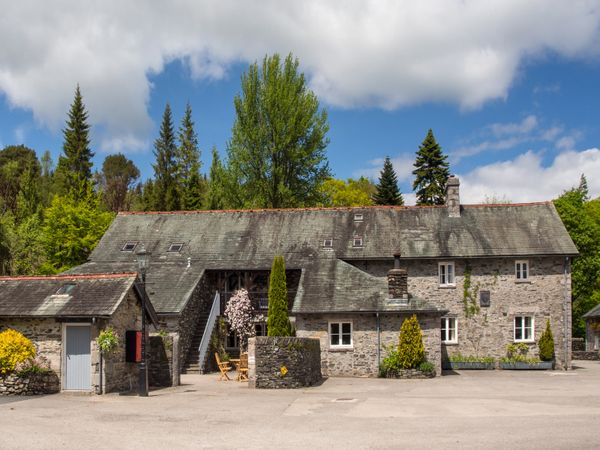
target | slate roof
[
  {"x": 96, "y": 295},
  {"x": 249, "y": 239},
  {"x": 594, "y": 312}
]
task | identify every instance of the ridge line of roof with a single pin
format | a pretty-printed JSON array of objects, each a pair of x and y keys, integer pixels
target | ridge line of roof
[{"x": 70, "y": 276}]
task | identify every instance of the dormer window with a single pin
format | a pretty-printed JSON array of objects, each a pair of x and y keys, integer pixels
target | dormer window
[
  {"x": 129, "y": 246},
  {"x": 357, "y": 241},
  {"x": 175, "y": 247},
  {"x": 65, "y": 289},
  {"x": 358, "y": 217},
  {"x": 328, "y": 243}
]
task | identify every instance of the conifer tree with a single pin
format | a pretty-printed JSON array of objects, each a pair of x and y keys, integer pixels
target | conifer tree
[
  {"x": 188, "y": 164},
  {"x": 431, "y": 172},
  {"x": 74, "y": 170},
  {"x": 215, "y": 197},
  {"x": 546, "y": 343},
  {"x": 411, "y": 351},
  {"x": 583, "y": 188},
  {"x": 165, "y": 169},
  {"x": 387, "y": 188},
  {"x": 278, "y": 323}
]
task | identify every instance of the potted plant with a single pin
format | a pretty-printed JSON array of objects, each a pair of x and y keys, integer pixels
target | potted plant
[
  {"x": 469, "y": 362},
  {"x": 517, "y": 359}
]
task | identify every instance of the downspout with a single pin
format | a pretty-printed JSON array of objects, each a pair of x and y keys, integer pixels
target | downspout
[
  {"x": 566, "y": 316},
  {"x": 378, "y": 342},
  {"x": 101, "y": 390}
]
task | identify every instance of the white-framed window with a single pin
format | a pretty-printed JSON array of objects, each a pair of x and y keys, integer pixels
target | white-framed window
[
  {"x": 340, "y": 334},
  {"x": 449, "y": 330},
  {"x": 357, "y": 241},
  {"x": 328, "y": 243},
  {"x": 524, "y": 329},
  {"x": 446, "y": 273},
  {"x": 522, "y": 270},
  {"x": 260, "y": 329},
  {"x": 358, "y": 217}
]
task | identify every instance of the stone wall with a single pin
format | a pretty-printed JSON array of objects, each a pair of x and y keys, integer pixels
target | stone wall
[
  {"x": 361, "y": 359},
  {"x": 283, "y": 362},
  {"x": 160, "y": 367},
  {"x": 592, "y": 334},
  {"x": 34, "y": 384},
  {"x": 491, "y": 329}
]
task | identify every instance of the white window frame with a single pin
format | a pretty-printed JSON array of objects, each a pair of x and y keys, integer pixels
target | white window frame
[
  {"x": 175, "y": 245},
  {"x": 358, "y": 217},
  {"x": 524, "y": 328},
  {"x": 443, "y": 277},
  {"x": 357, "y": 242},
  {"x": 522, "y": 274},
  {"x": 445, "y": 329},
  {"x": 328, "y": 243},
  {"x": 330, "y": 334}
]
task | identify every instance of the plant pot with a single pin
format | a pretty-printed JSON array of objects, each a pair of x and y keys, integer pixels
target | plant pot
[
  {"x": 469, "y": 365},
  {"x": 542, "y": 365}
]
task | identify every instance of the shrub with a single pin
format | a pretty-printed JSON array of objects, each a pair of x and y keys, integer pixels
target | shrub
[
  {"x": 240, "y": 315},
  {"x": 426, "y": 366},
  {"x": 546, "y": 344},
  {"x": 411, "y": 351},
  {"x": 518, "y": 353},
  {"x": 107, "y": 340},
  {"x": 278, "y": 323},
  {"x": 14, "y": 348},
  {"x": 469, "y": 358},
  {"x": 32, "y": 366}
]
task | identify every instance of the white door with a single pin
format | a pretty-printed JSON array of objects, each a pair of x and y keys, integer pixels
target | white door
[{"x": 78, "y": 364}]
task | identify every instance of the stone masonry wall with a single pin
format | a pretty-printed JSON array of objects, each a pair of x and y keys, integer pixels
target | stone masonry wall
[
  {"x": 283, "y": 362},
  {"x": 160, "y": 367},
  {"x": 34, "y": 384},
  {"x": 361, "y": 359},
  {"x": 489, "y": 331}
]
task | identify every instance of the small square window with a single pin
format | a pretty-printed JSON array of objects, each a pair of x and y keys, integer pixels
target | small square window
[
  {"x": 65, "y": 289},
  {"x": 174, "y": 248},
  {"x": 357, "y": 241},
  {"x": 340, "y": 334},
  {"x": 449, "y": 331},
  {"x": 524, "y": 329},
  {"x": 358, "y": 217},
  {"x": 446, "y": 273},
  {"x": 328, "y": 243},
  {"x": 522, "y": 270},
  {"x": 129, "y": 246}
]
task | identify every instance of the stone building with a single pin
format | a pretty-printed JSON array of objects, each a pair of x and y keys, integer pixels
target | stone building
[
  {"x": 592, "y": 329},
  {"x": 62, "y": 316},
  {"x": 478, "y": 277}
]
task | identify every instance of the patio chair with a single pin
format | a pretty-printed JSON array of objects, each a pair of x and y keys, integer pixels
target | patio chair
[
  {"x": 243, "y": 368},
  {"x": 224, "y": 367}
]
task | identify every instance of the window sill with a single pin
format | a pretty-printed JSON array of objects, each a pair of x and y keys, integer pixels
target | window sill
[
  {"x": 449, "y": 343},
  {"x": 341, "y": 349},
  {"x": 447, "y": 286},
  {"x": 522, "y": 281},
  {"x": 524, "y": 342}
]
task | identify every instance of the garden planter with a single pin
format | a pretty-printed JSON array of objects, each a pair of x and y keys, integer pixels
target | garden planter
[
  {"x": 542, "y": 365},
  {"x": 466, "y": 365}
]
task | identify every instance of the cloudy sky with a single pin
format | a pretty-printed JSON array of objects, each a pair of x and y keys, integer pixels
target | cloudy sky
[{"x": 511, "y": 88}]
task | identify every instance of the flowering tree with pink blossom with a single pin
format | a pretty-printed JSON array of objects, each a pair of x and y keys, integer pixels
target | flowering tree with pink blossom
[{"x": 240, "y": 315}]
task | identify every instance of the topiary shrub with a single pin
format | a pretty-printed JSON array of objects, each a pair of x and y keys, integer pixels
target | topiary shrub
[
  {"x": 411, "y": 351},
  {"x": 546, "y": 344},
  {"x": 278, "y": 323},
  {"x": 14, "y": 348}
]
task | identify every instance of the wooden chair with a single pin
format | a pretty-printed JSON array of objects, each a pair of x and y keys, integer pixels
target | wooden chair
[
  {"x": 224, "y": 367},
  {"x": 243, "y": 368}
]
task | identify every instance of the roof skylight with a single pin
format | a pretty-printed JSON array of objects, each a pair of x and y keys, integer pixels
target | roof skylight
[
  {"x": 175, "y": 247},
  {"x": 129, "y": 246}
]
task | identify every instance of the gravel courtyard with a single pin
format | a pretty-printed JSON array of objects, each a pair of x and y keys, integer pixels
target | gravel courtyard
[{"x": 470, "y": 409}]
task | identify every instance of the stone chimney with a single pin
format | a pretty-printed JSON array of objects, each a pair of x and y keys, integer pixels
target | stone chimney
[
  {"x": 453, "y": 196},
  {"x": 397, "y": 280}
]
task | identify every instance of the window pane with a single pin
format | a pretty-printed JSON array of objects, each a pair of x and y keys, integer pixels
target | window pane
[
  {"x": 444, "y": 330},
  {"x": 346, "y": 339},
  {"x": 442, "y": 274},
  {"x": 524, "y": 270},
  {"x": 335, "y": 339},
  {"x": 346, "y": 328},
  {"x": 450, "y": 273},
  {"x": 335, "y": 328}
]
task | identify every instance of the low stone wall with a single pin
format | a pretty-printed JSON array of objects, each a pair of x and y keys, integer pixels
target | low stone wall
[
  {"x": 588, "y": 356},
  {"x": 283, "y": 362},
  {"x": 160, "y": 370},
  {"x": 34, "y": 384},
  {"x": 578, "y": 345},
  {"x": 410, "y": 374}
]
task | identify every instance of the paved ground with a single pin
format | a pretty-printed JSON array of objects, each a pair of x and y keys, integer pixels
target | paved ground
[{"x": 497, "y": 409}]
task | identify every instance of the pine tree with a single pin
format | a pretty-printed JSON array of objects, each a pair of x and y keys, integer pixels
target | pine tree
[
  {"x": 411, "y": 351},
  {"x": 188, "y": 164},
  {"x": 278, "y": 323},
  {"x": 74, "y": 170},
  {"x": 387, "y": 188},
  {"x": 546, "y": 343},
  {"x": 165, "y": 188},
  {"x": 583, "y": 188},
  {"x": 431, "y": 173},
  {"x": 215, "y": 197}
]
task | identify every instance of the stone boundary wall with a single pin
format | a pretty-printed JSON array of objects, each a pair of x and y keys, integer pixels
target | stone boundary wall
[
  {"x": 160, "y": 367},
  {"x": 409, "y": 374},
  {"x": 283, "y": 362},
  {"x": 34, "y": 384},
  {"x": 587, "y": 356},
  {"x": 578, "y": 345}
]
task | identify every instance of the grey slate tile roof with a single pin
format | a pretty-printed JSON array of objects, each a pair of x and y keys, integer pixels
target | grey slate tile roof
[
  {"x": 91, "y": 296},
  {"x": 248, "y": 240},
  {"x": 594, "y": 312}
]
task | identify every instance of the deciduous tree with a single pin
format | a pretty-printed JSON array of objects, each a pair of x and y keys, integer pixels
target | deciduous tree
[{"x": 117, "y": 179}]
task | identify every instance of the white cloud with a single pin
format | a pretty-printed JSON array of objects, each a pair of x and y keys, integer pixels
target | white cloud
[
  {"x": 20, "y": 133},
  {"x": 355, "y": 52},
  {"x": 403, "y": 166},
  {"x": 526, "y": 179}
]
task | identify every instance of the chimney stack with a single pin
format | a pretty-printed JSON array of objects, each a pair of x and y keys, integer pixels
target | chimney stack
[
  {"x": 397, "y": 280},
  {"x": 453, "y": 196}
]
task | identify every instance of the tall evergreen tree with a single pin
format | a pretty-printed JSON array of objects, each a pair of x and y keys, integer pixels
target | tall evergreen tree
[
  {"x": 583, "y": 188},
  {"x": 188, "y": 164},
  {"x": 278, "y": 322},
  {"x": 215, "y": 198},
  {"x": 387, "y": 188},
  {"x": 165, "y": 169},
  {"x": 74, "y": 170},
  {"x": 431, "y": 172}
]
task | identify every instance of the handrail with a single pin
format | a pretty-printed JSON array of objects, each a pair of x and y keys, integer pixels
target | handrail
[{"x": 215, "y": 311}]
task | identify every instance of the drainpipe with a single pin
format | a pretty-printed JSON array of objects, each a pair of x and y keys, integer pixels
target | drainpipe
[
  {"x": 101, "y": 390},
  {"x": 378, "y": 342},
  {"x": 566, "y": 316}
]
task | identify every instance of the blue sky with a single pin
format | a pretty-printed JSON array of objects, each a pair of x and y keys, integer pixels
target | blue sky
[{"x": 512, "y": 97}]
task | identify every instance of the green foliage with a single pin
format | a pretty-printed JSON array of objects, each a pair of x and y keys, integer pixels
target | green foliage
[
  {"x": 165, "y": 192},
  {"x": 347, "y": 193},
  {"x": 546, "y": 344},
  {"x": 32, "y": 366},
  {"x": 117, "y": 178},
  {"x": 188, "y": 164},
  {"x": 278, "y": 323},
  {"x": 14, "y": 348},
  {"x": 387, "y": 189},
  {"x": 277, "y": 149},
  {"x": 411, "y": 351},
  {"x": 218, "y": 339},
  {"x": 19, "y": 180},
  {"x": 71, "y": 230},
  {"x": 470, "y": 293},
  {"x": 108, "y": 340},
  {"x": 74, "y": 170},
  {"x": 426, "y": 366},
  {"x": 457, "y": 357},
  {"x": 518, "y": 353},
  {"x": 216, "y": 183},
  {"x": 582, "y": 220},
  {"x": 431, "y": 172}
]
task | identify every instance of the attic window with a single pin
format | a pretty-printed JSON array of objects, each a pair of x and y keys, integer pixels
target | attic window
[
  {"x": 65, "y": 289},
  {"x": 358, "y": 217},
  {"x": 357, "y": 241},
  {"x": 328, "y": 243},
  {"x": 176, "y": 247},
  {"x": 129, "y": 246}
]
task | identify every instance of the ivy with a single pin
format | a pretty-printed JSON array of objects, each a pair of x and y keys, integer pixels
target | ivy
[{"x": 470, "y": 294}]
